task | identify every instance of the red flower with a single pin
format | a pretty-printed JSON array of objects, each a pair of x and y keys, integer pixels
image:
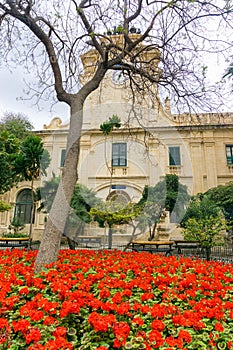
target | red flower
[
  {"x": 138, "y": 320},
  {"x": 24, "y": 290},
  {"x": 49, "y": 320},
  {"x": 33, "y": 335},
  {"x": 157, "y": 325},
  {"x": 101, "y": 322},
  {"x": 219, "y": 327},
  {"x": 185, "y": 336},
  {"x": 21, "y": 325},
  {"x": 156, "y": 339},
  {"x": 147, "y": 296},
  {"x": 36, "y": 347},
  {"x": 121, "y": 330},
  {"x": 59, "y": 332}
]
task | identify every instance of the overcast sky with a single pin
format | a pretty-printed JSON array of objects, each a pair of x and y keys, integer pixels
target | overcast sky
[{"x": 12, "y": 88}]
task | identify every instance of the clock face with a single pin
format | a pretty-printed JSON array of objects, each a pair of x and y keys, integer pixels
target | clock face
[{"x": 119, "y": 77}]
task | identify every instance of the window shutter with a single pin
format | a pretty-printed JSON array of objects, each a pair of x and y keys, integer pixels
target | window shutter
[
  {"x": 174, "y": 156},
  {"x": 63, "y": 155},
  {"x": 119, "y": 154}
]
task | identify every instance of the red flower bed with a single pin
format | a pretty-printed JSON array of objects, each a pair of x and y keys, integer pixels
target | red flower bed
[{"x": 113, "y": 300}]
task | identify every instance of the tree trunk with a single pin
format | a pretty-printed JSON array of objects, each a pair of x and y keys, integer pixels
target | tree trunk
[
  {"x": 131, "y": 238},
  {"x": 32, "y": 214},
  {"x": 153, "y": 231},
  {"x": 110, "y": 237},
  {"x": 208, "y": 253},
  {"x": 55, "y": 225}
]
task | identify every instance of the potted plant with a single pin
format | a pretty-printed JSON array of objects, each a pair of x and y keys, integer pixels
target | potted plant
[{"x": 119, "y": 29}]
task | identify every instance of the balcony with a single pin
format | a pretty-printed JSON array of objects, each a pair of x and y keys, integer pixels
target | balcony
[
  {"x": 119, "y": 171},
  {"x": 174, "y": 169}
]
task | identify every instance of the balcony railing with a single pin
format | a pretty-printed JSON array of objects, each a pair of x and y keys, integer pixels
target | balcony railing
[
  {"x": 174, "y": 169},
  {"x": 119, "y": 171}
]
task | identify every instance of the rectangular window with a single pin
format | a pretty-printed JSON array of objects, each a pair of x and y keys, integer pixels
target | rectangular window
[
  {"x": 229, "y": 154},
  {"x": 119, "y": 156},
  {"x": 63, "y": 155},
  {"x": 174, "y": 156}
]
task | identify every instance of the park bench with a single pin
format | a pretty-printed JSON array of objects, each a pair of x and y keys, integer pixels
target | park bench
[
  {"x": 153, "y": 246},
  {"x": 20, "y": 242},
  {"x": 89, "y": 241},
  {"x": 181, "y": 245},
  {"x": 7, "y": 242}
]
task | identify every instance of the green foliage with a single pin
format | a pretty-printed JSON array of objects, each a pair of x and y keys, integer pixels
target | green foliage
[
  {"x": 200, "y": 208},
  {"x": 4, "y": 206},
  {"x": 207, "y": 231},
  {"x": 83, "y": 200},
  {"x": 16, "y": 124},
  {"x": 204, "y": 222},
  {"x": 119, "y": 29},
  {"x": 167, "y": 194},
  {"x": 113, "y": 122},
  {"x": 13, "y": 131},
  {"x": 46, "y": 193},
  {"x": 9, "y": 148},
  {"x": 114, "y": 213},
  {"x": 222, "y": 196},
  {"x": 32, "y": 159}
]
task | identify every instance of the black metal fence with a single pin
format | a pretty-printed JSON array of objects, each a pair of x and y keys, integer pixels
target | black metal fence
[{"x": 217, "y": 253}]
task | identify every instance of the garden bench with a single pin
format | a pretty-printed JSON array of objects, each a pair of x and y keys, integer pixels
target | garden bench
[
  {"x": 153, "y": 246},
  {"x": 89, "y": 241},
  {"x": 182, "y": 244},
  {"x": 7, "y": 242}
]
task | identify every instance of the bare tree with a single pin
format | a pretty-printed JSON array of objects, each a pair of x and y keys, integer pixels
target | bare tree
[{"x": 49, "y": 38}]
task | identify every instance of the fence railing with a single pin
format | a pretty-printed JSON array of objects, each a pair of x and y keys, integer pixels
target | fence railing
[{"x": 217, "y": 253}]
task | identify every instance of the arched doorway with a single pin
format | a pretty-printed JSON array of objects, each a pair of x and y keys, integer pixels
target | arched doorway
[{"x": 23, "y": 206}]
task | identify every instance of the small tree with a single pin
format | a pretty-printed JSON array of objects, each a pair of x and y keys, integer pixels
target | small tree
[
  {"x": 16, "y": 124},
  {"x": 168, "y": 194},
  {"x": 14, "y": 128},
  {"x": 9, "y": 148},
  {"x": 82, "y": 201},
  {"x": 204, "y": 223},
  {"x": 113, "y": 213},
  {"x": 207, "y": 231},
  {"x": 200, "y": 208},
  {"x": 222, "y": 196}
]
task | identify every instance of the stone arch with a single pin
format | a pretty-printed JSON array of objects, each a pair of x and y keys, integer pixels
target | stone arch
[{"x": 119, "y": 196}]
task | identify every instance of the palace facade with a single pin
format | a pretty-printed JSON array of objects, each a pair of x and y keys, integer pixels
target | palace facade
[{"x": 150, "y": 143}]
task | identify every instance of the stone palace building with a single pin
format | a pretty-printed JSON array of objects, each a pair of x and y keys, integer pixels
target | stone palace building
[{"x": 150, "y": 143}]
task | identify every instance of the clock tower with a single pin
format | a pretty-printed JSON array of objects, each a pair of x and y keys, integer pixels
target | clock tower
[{"x": 115, "y": 94}]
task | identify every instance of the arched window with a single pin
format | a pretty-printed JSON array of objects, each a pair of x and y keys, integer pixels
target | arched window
[
  {"x": 119, "y": 196},
  {"x": 23, "y": 207}
]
